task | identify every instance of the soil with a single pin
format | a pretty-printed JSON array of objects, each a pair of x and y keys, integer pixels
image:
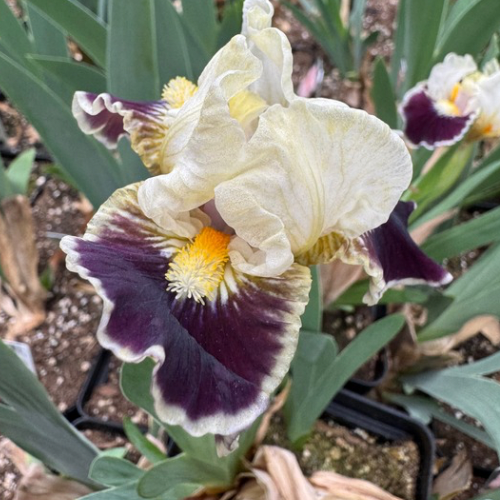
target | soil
[
  {"x": 355, "y": 453},
  {"x": 107, "y": 403},
  {"x": 344, "y": 326}
]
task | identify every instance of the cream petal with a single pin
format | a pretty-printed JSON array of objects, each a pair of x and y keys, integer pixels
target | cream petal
[
  {"x": 272, "y": 48},
  {"x": 311, "y": 169},
  {"x": 203, "y": 131},
  {"x": 488, "y": 123},
  {"x": 445, "y": 75}
]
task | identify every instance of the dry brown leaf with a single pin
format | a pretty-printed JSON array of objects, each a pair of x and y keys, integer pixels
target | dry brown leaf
[
  {"x": 336, "y": 278},
  {"x": 282, "y": 467},
  {"x": 337, "y": 487},
  {"x": 488, "y": 325},
  {"x": 37, "y": 485},
  {"x": 438, "y": 152},
  {"x": 455, "y": 479},
  {"x": 15, "y": 454},
  {"x": 423, "y": 231},
  {"x": 278, "y": 403},
  {"x": 19, "y": 262}
]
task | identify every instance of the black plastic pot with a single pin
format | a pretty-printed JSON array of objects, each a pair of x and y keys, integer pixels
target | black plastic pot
[{"x": 355, "y": 411}]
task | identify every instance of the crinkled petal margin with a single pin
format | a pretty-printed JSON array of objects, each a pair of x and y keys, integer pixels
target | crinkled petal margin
[
  {"x": 387, "y": 254},
  {"x": 218, "y": 362},
  {"x": 390, "y": 257},
  {"x": 109, "y": 118},
  {"x": 425, "y": 126}
]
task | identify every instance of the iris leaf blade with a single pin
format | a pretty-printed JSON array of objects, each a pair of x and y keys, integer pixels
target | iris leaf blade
[
  {"x": 383, "y": 95},
  {"x": 19, "y": 171},
  {"x": 85, "y": 27},
  {"x": 74, "y": 75},
  {"x": 476, "y": 396},
  {"x": 133, "y": 31},
  {"x": 475, "y": 293},
  {"x": 33, "y": 422},
  {"x": 468, "y": 28},
  {"x": 464, "y": 237},
  {"x": 333, "y": 377},
  {"x": 87, "y": 162}
]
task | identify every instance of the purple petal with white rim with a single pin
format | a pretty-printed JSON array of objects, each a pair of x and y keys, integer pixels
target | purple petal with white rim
[
  {"x": 218, "y": 361},
  {"x": 391, "y": 251},
  {"x": 426, "y": 126},
  {"x": 108, "y": 119}
]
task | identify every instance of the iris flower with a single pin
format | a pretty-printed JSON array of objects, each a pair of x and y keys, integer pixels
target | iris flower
[
  {"x": 440, "y": 111},
  {"x": 205, "y": 267},
  {"x": 456, "y": 100}
]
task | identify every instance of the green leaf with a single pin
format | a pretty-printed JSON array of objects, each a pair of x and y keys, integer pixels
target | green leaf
[
  {"x": 315, "y": 353},
  {"x": 475, "y": 293},
  {"x": 135, "y": 382},
  {"x": 464, "y": 237},
  {"x": 456, "y": 197},
  {"x": 306, "y": 411},
  {"x": 81, "y": 24},
  {"x": 13, "y": 35},
  {"x": 132, "y": 61},
  {"x": 74, "y": 75},
  {"x": 33, "y": 422},
  {"x": 492, "y": 51},
  {"x": 468, "y": 28},
  {"x": 312, "y": 317},
  {"x": 383, "y": 95},
  {"x": 421, "y": 25},
  {"x": 142, "y": 444},
  {"x": 439, "y": 180},
  {"x": 112, "y": 471},
  {"x": 129, "y": 492},
  {"x": 87, "y": 162},
  {"x": 173, "y": 51},
  {"x": 356, "y": 31},
  {"x": 48, "y": 38},
  {"x": 200, "y": 17},
  {"x": 19, "y": 171},
  {"x": 425, "y": 409},
  {"x": 178, "y": 471},
  {"x": 6, "y": 189},
  {"x": 231, "y": 22},
  {"x": 131, "y": 166},
  {"x": 463, "y": 388}
]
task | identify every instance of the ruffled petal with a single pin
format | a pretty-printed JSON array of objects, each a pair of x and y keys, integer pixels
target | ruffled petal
[
  {"x": 310, "y": 169},
  {"x": 273, "y": 49},
  {"x": 426, "y": 125},
  {"x": 109, "y": 118},
  {"x": 218, "y": 362},
  {"x": 390, "y": 257},
  {"x": 488, "y": 123},
  {"x": 444, "y": 76}
]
